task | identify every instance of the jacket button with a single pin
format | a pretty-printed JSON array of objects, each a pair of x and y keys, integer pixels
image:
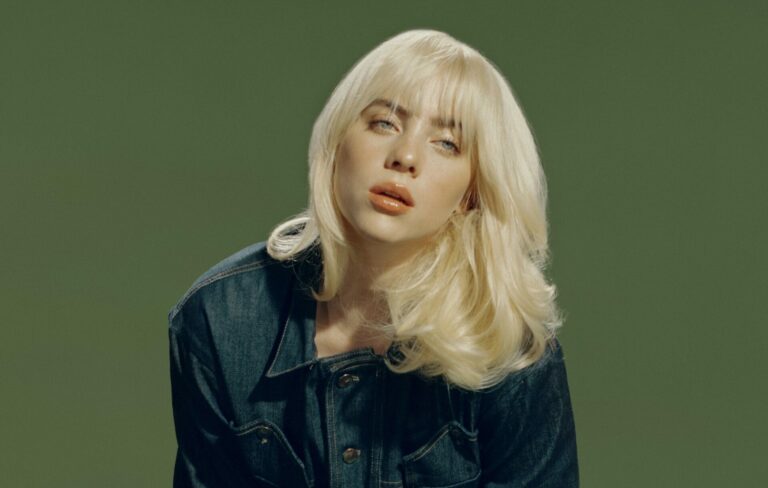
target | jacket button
[
  {"x": 347, "y": 379},
  {"x": 263, "y": 433},
  {"x": 350, "y": 455}
]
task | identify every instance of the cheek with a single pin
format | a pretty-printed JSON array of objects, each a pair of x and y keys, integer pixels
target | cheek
[
  {"x": 345, "y": 180},
  {"x": 357, "y": 163},
  {"x": 348, "y": 159},
  {"x": 452, "y": 188}
]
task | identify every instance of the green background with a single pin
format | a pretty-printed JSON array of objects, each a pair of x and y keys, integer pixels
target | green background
[{"x": 140, "y": 142}]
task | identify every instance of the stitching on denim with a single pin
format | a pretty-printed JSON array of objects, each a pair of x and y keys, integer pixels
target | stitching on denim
[
  {"x": 471, "y": 435},
  {"x": 284, "y": 329},
  {"x": 432, "y": 443},
  {"x": 465, "y": 482},
  {"x": 249, "y": 427},
  {"x": 473, "y": 406},
  {"x": 333, "y": 445},
  {"x": 281, "y": 439},
  {"x": 377, "y": 447},
  {"x": 408, "y": 468},
  {"x": 211, "y": 279},
  {"x": 450, "y": 402},
  {"x": 358, "y": 357},
  {"x": 264, "y": 480},
  {"x": 272, "y": 372},
  {"x": 429, "y": 446}
]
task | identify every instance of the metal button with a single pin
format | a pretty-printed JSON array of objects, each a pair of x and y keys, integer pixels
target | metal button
[
  {"x": 350, "y": 455},
  {"x": 347, "y": 379},
  {"x": 263, "y": 433}
]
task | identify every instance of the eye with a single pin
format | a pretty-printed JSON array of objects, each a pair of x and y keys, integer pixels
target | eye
[
  {"x": 382, "y": 124},
  {"x": 449, "y": 145}
]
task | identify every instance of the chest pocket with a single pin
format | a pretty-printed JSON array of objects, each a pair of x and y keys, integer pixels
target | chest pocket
[
  {"x": 269, "y": 456},
  {"x": 449, "y": 460}
]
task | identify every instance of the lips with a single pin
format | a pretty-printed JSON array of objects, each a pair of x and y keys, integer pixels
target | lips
[
  {"x": 393, "y": 190},
  {"x": 391, "y": 198}
]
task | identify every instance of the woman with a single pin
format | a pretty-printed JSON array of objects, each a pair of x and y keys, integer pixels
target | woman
[{"x": 400, "y": 332}]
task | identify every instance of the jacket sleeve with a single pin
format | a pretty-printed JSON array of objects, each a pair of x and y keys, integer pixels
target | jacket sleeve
[
  {"x": 527, "y": 436},
  {"x": 206, "y": 456}
]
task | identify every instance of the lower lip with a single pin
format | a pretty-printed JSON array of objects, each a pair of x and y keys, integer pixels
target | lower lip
[{"x": 388, "y": 205}]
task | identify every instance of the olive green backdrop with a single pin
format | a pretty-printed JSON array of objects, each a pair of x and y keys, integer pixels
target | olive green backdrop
[{"x": 140, "y": 142}]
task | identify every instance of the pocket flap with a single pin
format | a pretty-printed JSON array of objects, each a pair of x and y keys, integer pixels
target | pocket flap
[
  {"x": 449, "y": 459},
  {"x": 269, "y": 455}
]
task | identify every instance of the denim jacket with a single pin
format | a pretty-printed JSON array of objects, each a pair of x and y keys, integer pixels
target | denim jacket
[{"x": 253, "y": 406}]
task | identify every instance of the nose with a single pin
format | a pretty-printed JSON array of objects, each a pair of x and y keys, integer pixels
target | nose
[{"x": 405, "y": 156}]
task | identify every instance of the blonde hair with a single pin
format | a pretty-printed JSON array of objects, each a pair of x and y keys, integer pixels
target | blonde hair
[{"x": 475, "y": 304}]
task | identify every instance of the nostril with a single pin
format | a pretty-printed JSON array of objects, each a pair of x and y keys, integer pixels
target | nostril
[{"x": 400, "y": 166}]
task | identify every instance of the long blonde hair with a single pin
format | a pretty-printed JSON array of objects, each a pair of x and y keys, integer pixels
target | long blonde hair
[{"x": 475, "y": 305}]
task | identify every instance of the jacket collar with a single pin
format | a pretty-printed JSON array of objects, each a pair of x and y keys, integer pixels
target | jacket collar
[{"x": 296, "y": 343}]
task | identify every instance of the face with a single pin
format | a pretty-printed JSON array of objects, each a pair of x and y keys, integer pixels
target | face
[{"x": 400, "y": 174}]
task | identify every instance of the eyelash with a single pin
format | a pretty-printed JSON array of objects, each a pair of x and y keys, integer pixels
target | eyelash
[
  {"x": 445, "y": 143},
  {"x": 377, "y": 123},
  {"x": 453, "y": 147}
]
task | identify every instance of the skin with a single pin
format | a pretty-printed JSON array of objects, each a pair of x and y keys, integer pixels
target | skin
[
  {"x": 409, "y": 146},
  {"x": 412, "y": 148}
]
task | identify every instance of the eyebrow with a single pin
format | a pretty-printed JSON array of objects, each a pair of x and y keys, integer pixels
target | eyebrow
[{"x": 405, "y": 113}]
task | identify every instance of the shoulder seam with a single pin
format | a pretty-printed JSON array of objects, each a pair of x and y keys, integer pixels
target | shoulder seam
[{"x": 214, "y": 278}]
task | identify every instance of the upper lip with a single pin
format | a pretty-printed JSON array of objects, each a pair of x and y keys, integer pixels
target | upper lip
[{"x": 394, "y": 189}]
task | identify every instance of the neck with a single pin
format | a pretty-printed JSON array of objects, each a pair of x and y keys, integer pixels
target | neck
[
  {"x": 371, "y": 260},
  {"x": 358, "y": 301}
]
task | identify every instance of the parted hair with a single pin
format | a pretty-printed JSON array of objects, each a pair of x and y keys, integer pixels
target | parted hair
[{"x": 473, "y": 305}]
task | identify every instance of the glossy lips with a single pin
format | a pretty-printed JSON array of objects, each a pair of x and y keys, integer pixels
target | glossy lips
[{"x": 391, "y": 198}]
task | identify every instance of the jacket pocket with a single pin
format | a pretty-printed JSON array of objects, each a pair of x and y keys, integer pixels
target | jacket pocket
[
  {"x": 269, "y": 455},
  {"x": 449, "y": 460}
]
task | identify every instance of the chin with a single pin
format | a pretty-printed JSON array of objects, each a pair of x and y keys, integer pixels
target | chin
[
  {"x": 381, "y": 237},
  {"x": 387, "y": 235},
  {"x": 384, "y": 230}
]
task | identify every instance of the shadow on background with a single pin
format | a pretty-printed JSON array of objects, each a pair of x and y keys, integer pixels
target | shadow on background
[{"x": 142, "y": 142}]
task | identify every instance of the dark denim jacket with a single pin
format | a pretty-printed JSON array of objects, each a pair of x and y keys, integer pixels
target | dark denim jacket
[{"x": 254, "y": 406}]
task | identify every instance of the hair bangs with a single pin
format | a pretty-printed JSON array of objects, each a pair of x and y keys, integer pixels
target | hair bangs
[{"x": 448, "y": 81}]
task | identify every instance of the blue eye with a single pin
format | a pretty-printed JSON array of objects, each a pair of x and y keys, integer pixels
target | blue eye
[
  {"x": 382, "y": 124},
  {"x": 449, "y": 145}
]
